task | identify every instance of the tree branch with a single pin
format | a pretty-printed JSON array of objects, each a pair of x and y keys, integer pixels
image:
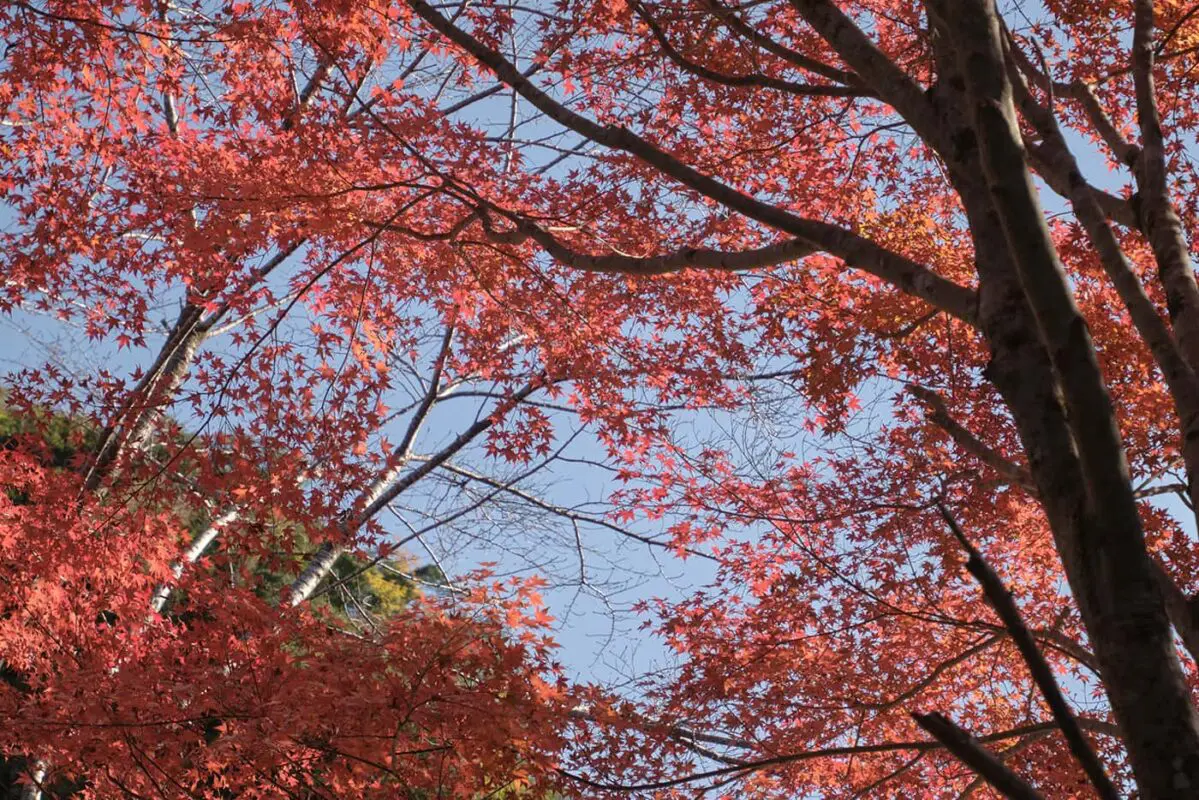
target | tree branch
[
  {"x": 751, "y": 79},
  {"x": 1160, "y": 221},
  {"x": 893, "y": 85},
  {"x": 1179, "y": 375},
  {"x": 1001, "y": 600},
  {"x": 940, "y": 416},
  {"x": 566, "y": 513},
  {"x": 1081, "y": 92},
  {"x": 808, "y": 755},
  {"x": 981, "y": 760},
  {"x": 686, "y": 258},
  {"x": 792, "y": 57},
  {"x": 1183, "y": 610},
  {"x": 907, "y": 275}
]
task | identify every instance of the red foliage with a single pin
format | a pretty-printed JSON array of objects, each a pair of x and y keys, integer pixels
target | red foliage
[{"x": 696, "y": 232}]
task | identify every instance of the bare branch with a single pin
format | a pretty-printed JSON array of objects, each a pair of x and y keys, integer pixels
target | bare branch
[
  {"x": 566, "y": 513},
  {"x": 384, "y": 492}
]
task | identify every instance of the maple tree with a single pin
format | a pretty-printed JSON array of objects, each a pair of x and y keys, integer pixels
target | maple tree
[{"x": 884, "y": 308}]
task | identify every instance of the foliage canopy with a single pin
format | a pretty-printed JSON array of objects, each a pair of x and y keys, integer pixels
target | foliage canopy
[{"x": 880, "y": 310}]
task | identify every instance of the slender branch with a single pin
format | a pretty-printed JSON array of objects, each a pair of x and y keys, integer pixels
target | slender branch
[
  {"x": 1001, "y": 600},
  {"x": 1159, "y": 219},
  {"x": 935, "y": 674},
  {"x": 901, "y": 272},
  {"x": 326, "y": 556},
  {"x": 686, "y": 258},
  {"x": 793, "y": 57},
  {"x": 443, "y": 455},
  {"x": 940, "y": 416},
  {"x": 201, "y": 543},
  {"x": 740, "y": 81},
  {"x": 748, "y": 766},
  {"x": 381, "y": 494},
  {"x": 978, "y": 758},
  {"x": 1081, "y": 92},
  {"x": 565, "y": 512}
]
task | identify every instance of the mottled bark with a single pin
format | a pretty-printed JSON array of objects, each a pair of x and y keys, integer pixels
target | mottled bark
[
  {"x": 200, "y": 544},
  {"x": 320, "y": 565},
  {"x": 156, "y": 388},
  {"x": 37, "y": 776}
]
